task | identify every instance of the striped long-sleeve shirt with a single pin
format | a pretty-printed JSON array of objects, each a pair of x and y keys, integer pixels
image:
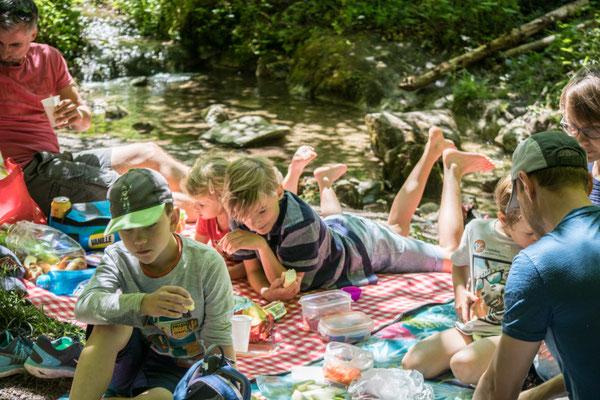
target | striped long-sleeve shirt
[{"x": 329, "y": 255}]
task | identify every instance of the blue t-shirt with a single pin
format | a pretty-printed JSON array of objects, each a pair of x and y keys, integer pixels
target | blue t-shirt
[
  {"x": 595, "y": 194},
  {"x": 329, "y": 256},
  {"x": 553, "y": 289}
]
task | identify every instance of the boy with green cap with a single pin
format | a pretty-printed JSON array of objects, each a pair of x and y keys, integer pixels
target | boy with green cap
[
  {"x": 157, "y": 299},
  {"x": 552, "y": 288}
]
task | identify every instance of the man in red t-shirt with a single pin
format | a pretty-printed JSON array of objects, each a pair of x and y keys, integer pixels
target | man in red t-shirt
[{"x": 31, "y": 72}]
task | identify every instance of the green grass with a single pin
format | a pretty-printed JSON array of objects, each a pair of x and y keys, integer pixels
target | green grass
[{"x": 16, "y": 312}]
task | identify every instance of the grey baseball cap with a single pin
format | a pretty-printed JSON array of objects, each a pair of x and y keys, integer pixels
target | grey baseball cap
[
  {"x": 137, "y": 199},
  {"x": 544, "y": 150}
]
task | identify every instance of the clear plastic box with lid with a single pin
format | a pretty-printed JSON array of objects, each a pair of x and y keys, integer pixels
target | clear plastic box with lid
[{"x": 315, "y": 306}]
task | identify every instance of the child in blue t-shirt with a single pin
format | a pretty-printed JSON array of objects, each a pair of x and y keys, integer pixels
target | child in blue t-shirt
[{"x": 278, "y": 231}]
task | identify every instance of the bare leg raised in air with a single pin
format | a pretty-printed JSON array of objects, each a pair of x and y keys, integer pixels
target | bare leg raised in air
[{"x": 330, "y": 205}]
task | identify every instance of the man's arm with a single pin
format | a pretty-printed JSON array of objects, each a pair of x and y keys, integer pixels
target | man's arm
[
  {"x": 505, "y": 375},
  {"x": 72, "y": 111},
  {"x": 550, "y": 389}
]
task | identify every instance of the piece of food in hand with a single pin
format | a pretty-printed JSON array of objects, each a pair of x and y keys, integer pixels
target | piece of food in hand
[
  {"x": 289, "y": 278},
  {"x": 192, "y": 306}
]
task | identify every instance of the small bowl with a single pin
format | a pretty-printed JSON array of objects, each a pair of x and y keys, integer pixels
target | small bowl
[{"x": 353, "y": 291}]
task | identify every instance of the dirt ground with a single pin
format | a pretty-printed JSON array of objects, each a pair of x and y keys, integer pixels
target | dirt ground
[{"x": 25, "y": 386}]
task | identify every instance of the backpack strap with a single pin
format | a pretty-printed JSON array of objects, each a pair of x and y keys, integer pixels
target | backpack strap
[
  {"x": 239, "y": 379},
  {"x": 227, "y": 390},
  {"x": 182, "y": 387}
]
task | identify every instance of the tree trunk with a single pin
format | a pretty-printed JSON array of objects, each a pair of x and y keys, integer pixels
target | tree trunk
[
  {"x": 540, "y": 44},
  {"x": 507, "y": 40}
]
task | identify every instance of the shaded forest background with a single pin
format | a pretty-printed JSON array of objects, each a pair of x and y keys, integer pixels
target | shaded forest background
[{"x": 247, "y": 35}]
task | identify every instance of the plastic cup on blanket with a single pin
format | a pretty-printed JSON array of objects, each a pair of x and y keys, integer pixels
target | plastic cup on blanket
[
  {"x": 50, "y": 104},
  {"x": 240, "y": 330},
  {"x": 353, "y": 291}
]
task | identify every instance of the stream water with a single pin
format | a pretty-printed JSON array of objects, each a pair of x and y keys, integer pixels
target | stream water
[{"x": 172, "y": 103}]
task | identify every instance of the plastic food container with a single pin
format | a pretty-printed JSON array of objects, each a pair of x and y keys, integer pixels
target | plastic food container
[
  {"x": 350, "y": 327},
  {"x": 315, "y": 306},
  {"x": 345, "y": 362}
]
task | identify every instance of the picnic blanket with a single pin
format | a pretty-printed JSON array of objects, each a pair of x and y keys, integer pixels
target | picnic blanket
[
  {"x": 60, "y": 307},
  {"x": 384, "y": 303},
  {"x": 388, "y": 346}
]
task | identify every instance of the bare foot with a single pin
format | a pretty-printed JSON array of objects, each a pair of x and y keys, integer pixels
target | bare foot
[
  {"x": 436, "y": 144},
  {"x": 466, "y": 162},
  {"x": 302, "y": 157},
  {"x": 331, "y": 173}
]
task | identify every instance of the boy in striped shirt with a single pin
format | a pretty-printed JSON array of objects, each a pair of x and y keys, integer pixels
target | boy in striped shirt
[{"x": 274, "y": 230}]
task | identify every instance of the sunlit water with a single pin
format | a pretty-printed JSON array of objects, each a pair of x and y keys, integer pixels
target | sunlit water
[{"x": 173, "y": 104}]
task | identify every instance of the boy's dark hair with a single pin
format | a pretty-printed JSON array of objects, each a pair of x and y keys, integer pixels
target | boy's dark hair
[
  {"x": 13, "y": 13},
  {"x": 556, "y": 178},
  {"x": 169, "y": 208}
]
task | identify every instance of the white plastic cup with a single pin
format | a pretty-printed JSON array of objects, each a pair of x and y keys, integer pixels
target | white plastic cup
[
  {"x": 240, "y": 331},
  {"x": 50, "y": 104}
]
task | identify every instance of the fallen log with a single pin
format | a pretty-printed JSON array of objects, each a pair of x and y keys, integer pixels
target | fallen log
[
  {"x": 507, "y": 40},
  {"x": 540, "y": 44}
]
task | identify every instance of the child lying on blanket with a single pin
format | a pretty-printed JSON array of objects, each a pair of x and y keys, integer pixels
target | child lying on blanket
[
  {"x": 484, "y": 258},
  {"x": 277, "y": 231},
  {"x": 205, "y": 184},
  {"x": 157, "y": 299}
]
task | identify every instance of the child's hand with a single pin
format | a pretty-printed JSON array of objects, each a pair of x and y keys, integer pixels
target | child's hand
[
  {"x": 462, "y": 304},
  {"x": 278, "y": 292},
  {"x": 241, "y": 239},
  {"x": 168, "y": 301}
]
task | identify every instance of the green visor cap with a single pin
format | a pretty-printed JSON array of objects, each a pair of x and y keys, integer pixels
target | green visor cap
[
  {"x": 137, "y": 199},
  {"x": 137, "y": 219},
  {"x": 544, "y": 150}
]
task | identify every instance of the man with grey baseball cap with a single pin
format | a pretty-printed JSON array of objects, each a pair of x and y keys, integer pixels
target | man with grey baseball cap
[{"x": 553, "y": 285}]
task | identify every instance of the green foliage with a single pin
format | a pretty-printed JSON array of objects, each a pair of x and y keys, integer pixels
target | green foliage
[
  {"x": 59, "y": 25},
  {"x": 540, "y": 76},
  {"x": 467, "y": 87},
  {"x": 16, "y": 312},
  {"x": 250, "y": 28},
  {"x": 158, "y": 18}
]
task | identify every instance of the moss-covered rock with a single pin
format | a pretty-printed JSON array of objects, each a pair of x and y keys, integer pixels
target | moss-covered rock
[{"x": 360, "y": 69}]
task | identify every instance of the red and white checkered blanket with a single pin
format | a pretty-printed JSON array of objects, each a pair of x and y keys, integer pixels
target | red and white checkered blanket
[
  {"x": 59, "y": 307},
  {"x": 384, "y": 303}
]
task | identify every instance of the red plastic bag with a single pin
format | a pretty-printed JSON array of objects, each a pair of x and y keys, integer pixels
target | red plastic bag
[{"x": 17, "y": 204}]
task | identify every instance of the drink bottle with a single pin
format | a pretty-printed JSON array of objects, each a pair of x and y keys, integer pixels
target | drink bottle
[{"x": 63, "y": 283}]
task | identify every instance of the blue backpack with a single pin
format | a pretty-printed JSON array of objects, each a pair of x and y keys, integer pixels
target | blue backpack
[{"x": 213, "y": 378}]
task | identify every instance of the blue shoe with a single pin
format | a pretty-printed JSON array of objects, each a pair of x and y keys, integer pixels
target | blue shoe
[
  {"x": 14, "y": 350},
  {"x": 54, "y": 359}
]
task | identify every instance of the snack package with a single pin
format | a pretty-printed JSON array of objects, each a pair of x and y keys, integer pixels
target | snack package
[
  {"x": 41, "y": 248},
  {"x": 261, "y": 325}
]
